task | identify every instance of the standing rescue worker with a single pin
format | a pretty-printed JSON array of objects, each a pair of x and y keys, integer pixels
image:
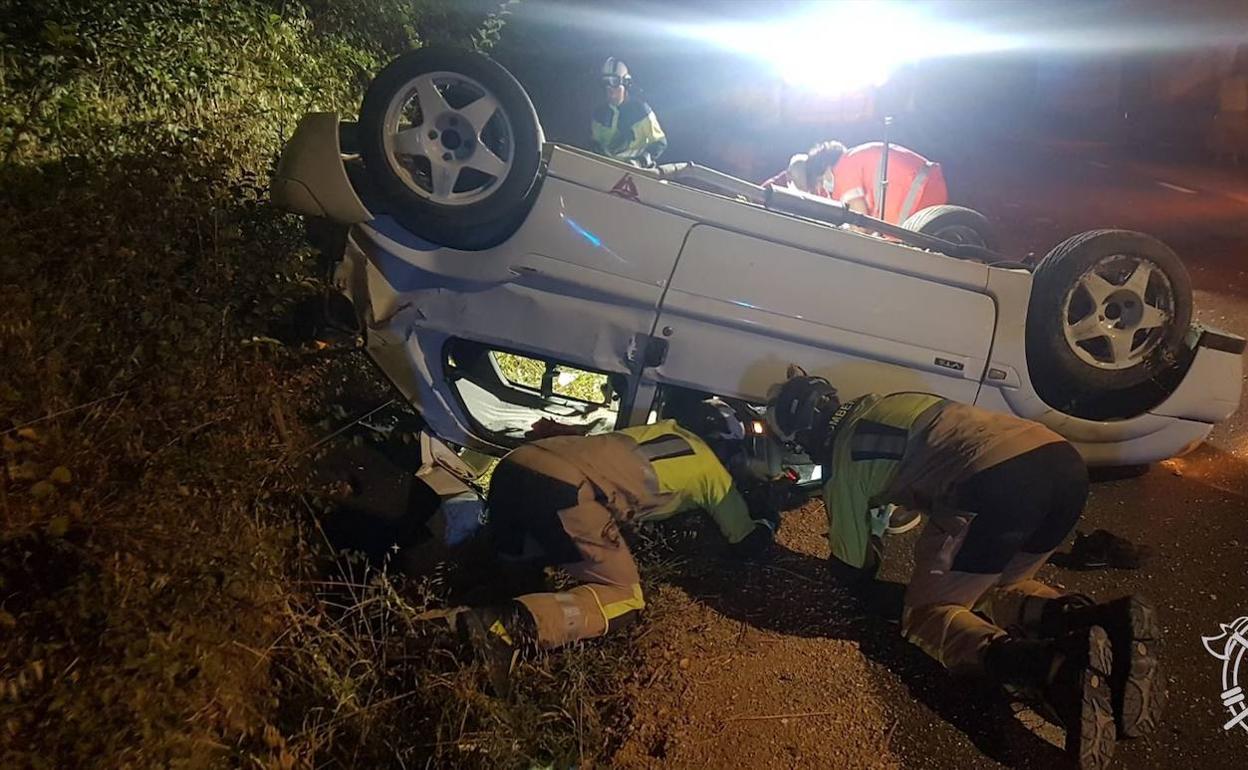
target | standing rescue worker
[
  {"x": 914, "y": 182},
  {"x": 622, "y": 127},
  {"x": 856, "y": 177},
  {"x": 561, "y": 501},
  {"x": 1001, "y": 493}
]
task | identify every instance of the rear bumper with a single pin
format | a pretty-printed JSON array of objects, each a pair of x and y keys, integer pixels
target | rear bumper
[
  {"x": 1171, "y": 437},
  {"x": 1208, "y": 394},
  {"x": 310, "y": 178},
  {"x": 1210, "y": 391}
]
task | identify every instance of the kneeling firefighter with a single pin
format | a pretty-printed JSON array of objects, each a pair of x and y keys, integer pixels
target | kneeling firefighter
[
  {"x": 561, "y": 501},
  {"x": 1001, "y": 493}
]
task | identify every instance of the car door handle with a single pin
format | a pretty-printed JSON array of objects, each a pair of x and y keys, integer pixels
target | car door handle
[{"x": 519, "y": 270}]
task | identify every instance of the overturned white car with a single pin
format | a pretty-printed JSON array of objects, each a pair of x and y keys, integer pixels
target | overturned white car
[{"x": 494, "y": 275}]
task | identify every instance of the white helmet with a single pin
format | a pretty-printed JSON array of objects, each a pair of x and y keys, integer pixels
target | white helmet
[{"x": 615, "y": 72}]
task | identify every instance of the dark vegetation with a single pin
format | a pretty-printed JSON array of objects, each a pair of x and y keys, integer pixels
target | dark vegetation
[{"x": 166, "y": 595}]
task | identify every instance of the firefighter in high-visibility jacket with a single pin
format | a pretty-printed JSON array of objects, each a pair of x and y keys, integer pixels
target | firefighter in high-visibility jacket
[
  {"x": 1001, "y": 493},
  {"x": 914, "y": 182},
  {"x": 857, "y": 176},
  {"x": 624, "y": 127},
  {"x": 562, "y": 500}
]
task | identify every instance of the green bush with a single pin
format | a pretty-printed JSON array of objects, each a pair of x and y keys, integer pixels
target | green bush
[
  {"x": 155, "y": 545},
  {"x": 105, "y": 81}
]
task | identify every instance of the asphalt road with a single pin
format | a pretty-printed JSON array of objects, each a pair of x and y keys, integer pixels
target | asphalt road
[
  {"x": 1041, "y": 194},
  {"x": 1194, "y": 510}
]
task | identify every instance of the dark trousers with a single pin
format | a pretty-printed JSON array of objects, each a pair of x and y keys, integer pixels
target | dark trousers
[{"x": 981, "y": 555}]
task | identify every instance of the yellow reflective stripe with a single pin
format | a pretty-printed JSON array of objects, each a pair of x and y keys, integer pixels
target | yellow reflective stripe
[
  {"x": 622, "y": 607},
  {"x": 665, "y": 448},
  {"x": 912, "y": 195},
  {"x": 498, "y": 630},
  {"x": 602, "y": 134}
]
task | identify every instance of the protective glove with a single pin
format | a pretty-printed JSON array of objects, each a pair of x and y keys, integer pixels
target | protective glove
[
  {"x": 771, "y": 517},
  {"x": 768, "y": 499},
  {"x": 757, "y": 542},
  {"x": 859, "y": 580},
  {"x": 892, "y": 519},
  {"x": 879, "y": 518}
]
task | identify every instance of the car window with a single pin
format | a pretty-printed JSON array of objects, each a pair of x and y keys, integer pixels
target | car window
[
  {"x": 510, "y": 396},
  {"x": 564, "y": 380}
]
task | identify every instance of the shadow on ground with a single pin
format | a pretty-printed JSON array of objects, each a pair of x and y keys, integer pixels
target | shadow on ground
[{"x": 791, "y": 594}]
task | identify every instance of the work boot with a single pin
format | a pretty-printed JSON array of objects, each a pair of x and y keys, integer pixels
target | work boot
[
  {"x": 1070, "y": 677},
  {"x": 1105, "y": 549},
  {"x": 1139, "y": 689},
  {"x": 902, "y": 520},
  {"x": 498, "y": 635}
]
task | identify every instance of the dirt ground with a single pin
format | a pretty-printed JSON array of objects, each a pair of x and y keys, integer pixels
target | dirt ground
[
  {"x": 770, "y": 665},
  {"x": 730, "y": 688}
]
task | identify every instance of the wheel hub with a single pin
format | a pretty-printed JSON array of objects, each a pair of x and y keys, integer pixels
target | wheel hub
[
  {"x": 1118, "y": 312},
  {"x": 454, "y": 135},
  {"x": 1125, "y": 309},
  {"x": 447, "y": 154}
]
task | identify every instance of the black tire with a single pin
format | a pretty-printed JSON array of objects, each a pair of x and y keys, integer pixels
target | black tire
[
  {"x": 956, "y": 224},
  {"x": 470, "y": 226},
  {"x": 1106, "y": 473},
  {"x": 1060, "y": 374}
]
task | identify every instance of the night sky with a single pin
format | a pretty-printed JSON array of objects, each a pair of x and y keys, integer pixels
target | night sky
[{"x": 1079, "y": 67}]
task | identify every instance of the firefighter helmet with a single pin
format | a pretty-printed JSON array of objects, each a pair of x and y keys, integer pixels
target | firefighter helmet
[
  {"x": 615, "y": 73},
  {"x": 800, "y": 409},
  {"x": 713, "y": 420}
]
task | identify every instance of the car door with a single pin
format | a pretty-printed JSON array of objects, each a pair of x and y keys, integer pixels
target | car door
[
  {"x": 578, "y": 285},
  {"x": 868, "y": 314}
]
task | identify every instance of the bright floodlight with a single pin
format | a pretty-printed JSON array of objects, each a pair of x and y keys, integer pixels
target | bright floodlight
[{"x": 841, "y": 47}]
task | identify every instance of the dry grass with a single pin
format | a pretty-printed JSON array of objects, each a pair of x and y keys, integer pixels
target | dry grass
[
  {"x": 168, "y": 595},
  {"x": 141, "y": 544}
]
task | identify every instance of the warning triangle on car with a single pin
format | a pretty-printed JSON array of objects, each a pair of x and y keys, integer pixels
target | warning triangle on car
[{"x": 626, "y": 188}]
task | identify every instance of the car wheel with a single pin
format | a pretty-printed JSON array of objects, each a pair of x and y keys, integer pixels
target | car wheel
[
  {"x": 1109, "y": 311},
  {"x": 1103, "y": 473},
  {"x": 956, "y": 224},
  {"x": 454, "y": 145}
]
